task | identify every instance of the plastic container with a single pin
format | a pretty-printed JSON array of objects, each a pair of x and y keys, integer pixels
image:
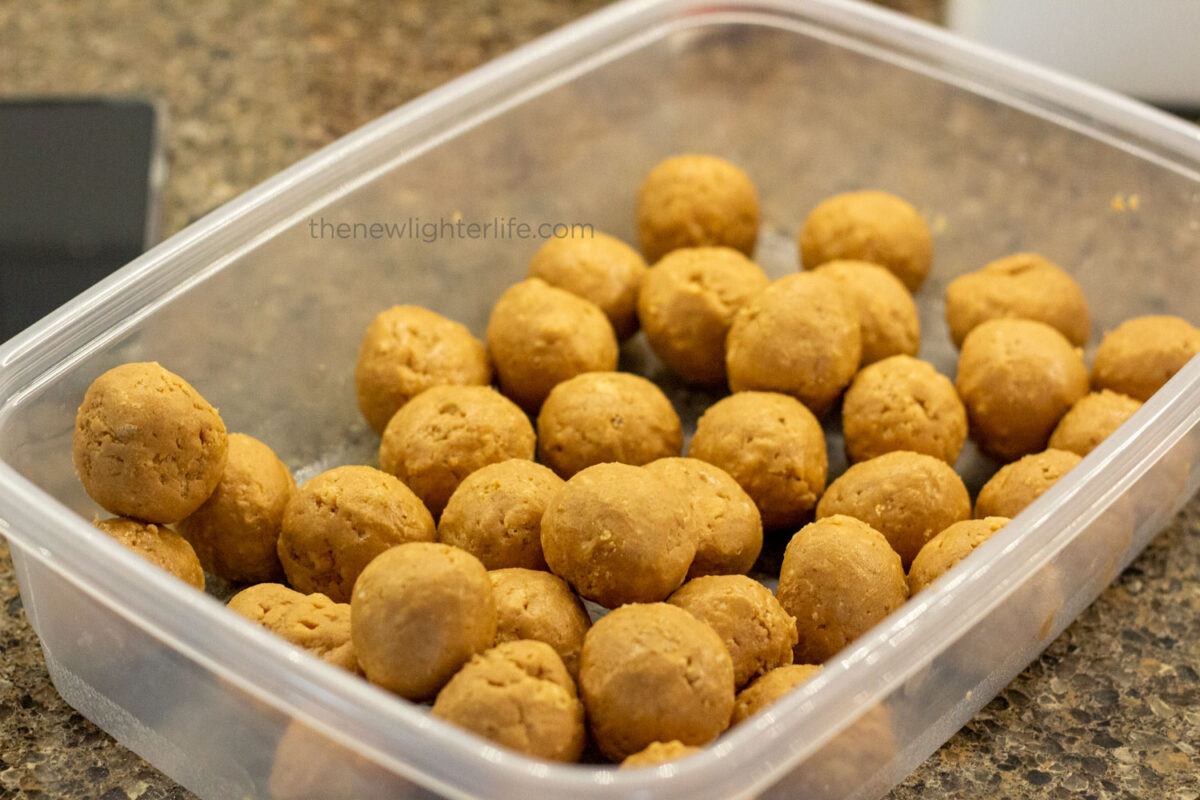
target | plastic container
[{"x": 265, "y": 320}]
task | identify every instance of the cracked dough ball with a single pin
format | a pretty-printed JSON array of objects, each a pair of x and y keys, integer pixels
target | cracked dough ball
[
  {"x": 768, "y": 688},
  {"x": 1016, "y": 485},
  {"x": 687, "y": 303},
  {"x": 495, "y": 514},
  {"x": 693, "y": 201},
  {"x": 539, "y": 335},
  {"x": 618, "y": 534},
  {"x": 1144, "y": 353},
  {"x": 799, "y": 336},
  {"x": 772, "y": 446},
  {"x": 236, "y": 531},
  {"x": 445, "y": 433},
  {"x": 901, "y": 403},
  {"x": 887, "y": 315},
  {"x": 336, "y": 523},
  {"x": 1023, "y": 286},
  {"x": 601, "y": 417},
  {"x": 1017, "y": 378},
  {"x": 147, "y": 445},
  {"x": 948, "y": 548},
  {"x": 659, "y": 753},
  {"x": 600, "y": 269},
  {"x": 869, "y": 226},
  {"x": 756, "y": 630},
  {"x": 654, "y": 673},
  {"x": 518, "y": 695},
  {"x": 531, "y": 604},
  {"x": 408, "y": 349},
  {"x": 839, "y": 578},
  {"x": 313, "y": 622},
  {"x": 1092, "y": 419},
  {"x": 161, "y": 546},
  {"x": 419, "y": 612}
]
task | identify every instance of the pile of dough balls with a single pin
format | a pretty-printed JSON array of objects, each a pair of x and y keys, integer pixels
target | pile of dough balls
[{"x": 539, "y": 556}]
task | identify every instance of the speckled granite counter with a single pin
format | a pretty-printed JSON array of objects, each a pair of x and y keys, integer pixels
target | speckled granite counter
[{"x": 1111, "y": 709}]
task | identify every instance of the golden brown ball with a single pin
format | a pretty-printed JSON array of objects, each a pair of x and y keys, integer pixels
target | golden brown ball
[
  {"x": 768, "y": 688},
  {"x": 313, "y": 621},
  {"x": 887, "y": 315},
  {"x": 531, "y": 604},
  {"x": 1016, "y": 485},
  {"x": 657, "y": 753},
  {"x": 1144, "y": 353},
  {"x": 948, "y": 548},
  {"x": 161, "y": 546},
  {"x": 1092, "y": 419}
]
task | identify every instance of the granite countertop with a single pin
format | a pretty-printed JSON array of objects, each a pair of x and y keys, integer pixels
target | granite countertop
[{"x": 1112, "y": 708}]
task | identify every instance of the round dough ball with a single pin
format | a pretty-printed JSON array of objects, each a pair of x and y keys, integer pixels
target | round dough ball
[
  {"x": 1092, "y": 419},
  {"x": 654, "y": 673},
  {"x": 313, "y": 622},
  {"x": 725, "y": 521},
  {"x": 908, "y": 497},
  {"x": 531, "y": 604},
  {"x": 1023, "y": 286},
  {"x": 887, "y": 315},
  {"x": 600, "y": 417},
  {"x": 691, "y": 201},
  {"x": 756, "y": 630},
  {"x": 798, "y": 336},
  {"x": 839, "y": 578},
  {"x": 1016, "y": 485},
  {"x": 772, "y": 446},
  {"x": 659, "y": 753},
  {"x": 518, "y": 695},
  {"x": 419, "y": 612},
  {"x": 495, "y": 514},
  {"x": 869, "y": 226},
  {"x": 901, "y": 403},
  {"x": 948, "y": 548},
  {"x": 147, "y": 445},
  {"x": 445, "y": 433},
  {"x": 687, "y": 303},
  {"x": 1144, "y": 353},
  {"x": 161, "y": 546},
  {"x": 768, "y": 688},
  {"x": 336, "y": 523},
  {"x": 236, "y": 531},
  {"x": 618, "y": 534},
  {"x": 600, "y": 269},
  {"x": 540, "y": 335},
  {"x": 408, "y": 349},
  {"x": 1017, "y": 378}
]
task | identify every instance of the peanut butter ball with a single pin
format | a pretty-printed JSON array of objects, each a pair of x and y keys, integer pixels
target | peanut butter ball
[
  {"x": 869, "y": 226},
  {"x": 908, "y": 497},
  {"x": 340, "y": 520},
  {"x": 687, "y": 303},
  {"x": 1017, "y": 378},
  {"x": 408, "y": 349},
  {"x": 799, "y": 336},
  {"x": 599, "y": 268},
  {"x": 1144, "y": 353},
  {"x": 839, "y": 578},
  {"x": 654, "y": 673},
  {"x": 768, "y": 688},
  {"x": 887, "y": 315},
  {"x": 772, "y": 446},
  {"x": 756, "y": 630},
  {"x": 495, "y": 514},
  {"x": 1092, "y": 419},
  {"x": 236, "y": 531},
  {"x": 313, "y": 622},
  {"x": 147, "y": 445},
  {"x": 1022, "y": 286},
  {"x": 948, "y": 548},
  {"x": 618, "y": 534},
  {"x": 531, "y": 604},
  {"x": 1016, "y": 485},
  {"x": 600, "y": 417},
  {"x": 724, "y": 519},
  {"x": 445, "y": 433},
  {"x": 540, "y": 335},
  {"x": 161, "y": 546},
  {"x": 519, "y": 695},
  {"x": 696, "y": 200},
  {"x": 419, "y": 612},
  {"x": 901, "y": 403},
  {"x": 659, "y": 753}
]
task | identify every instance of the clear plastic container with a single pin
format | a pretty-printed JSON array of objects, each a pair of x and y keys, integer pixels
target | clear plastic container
[{"x": 810, "y": 98}]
